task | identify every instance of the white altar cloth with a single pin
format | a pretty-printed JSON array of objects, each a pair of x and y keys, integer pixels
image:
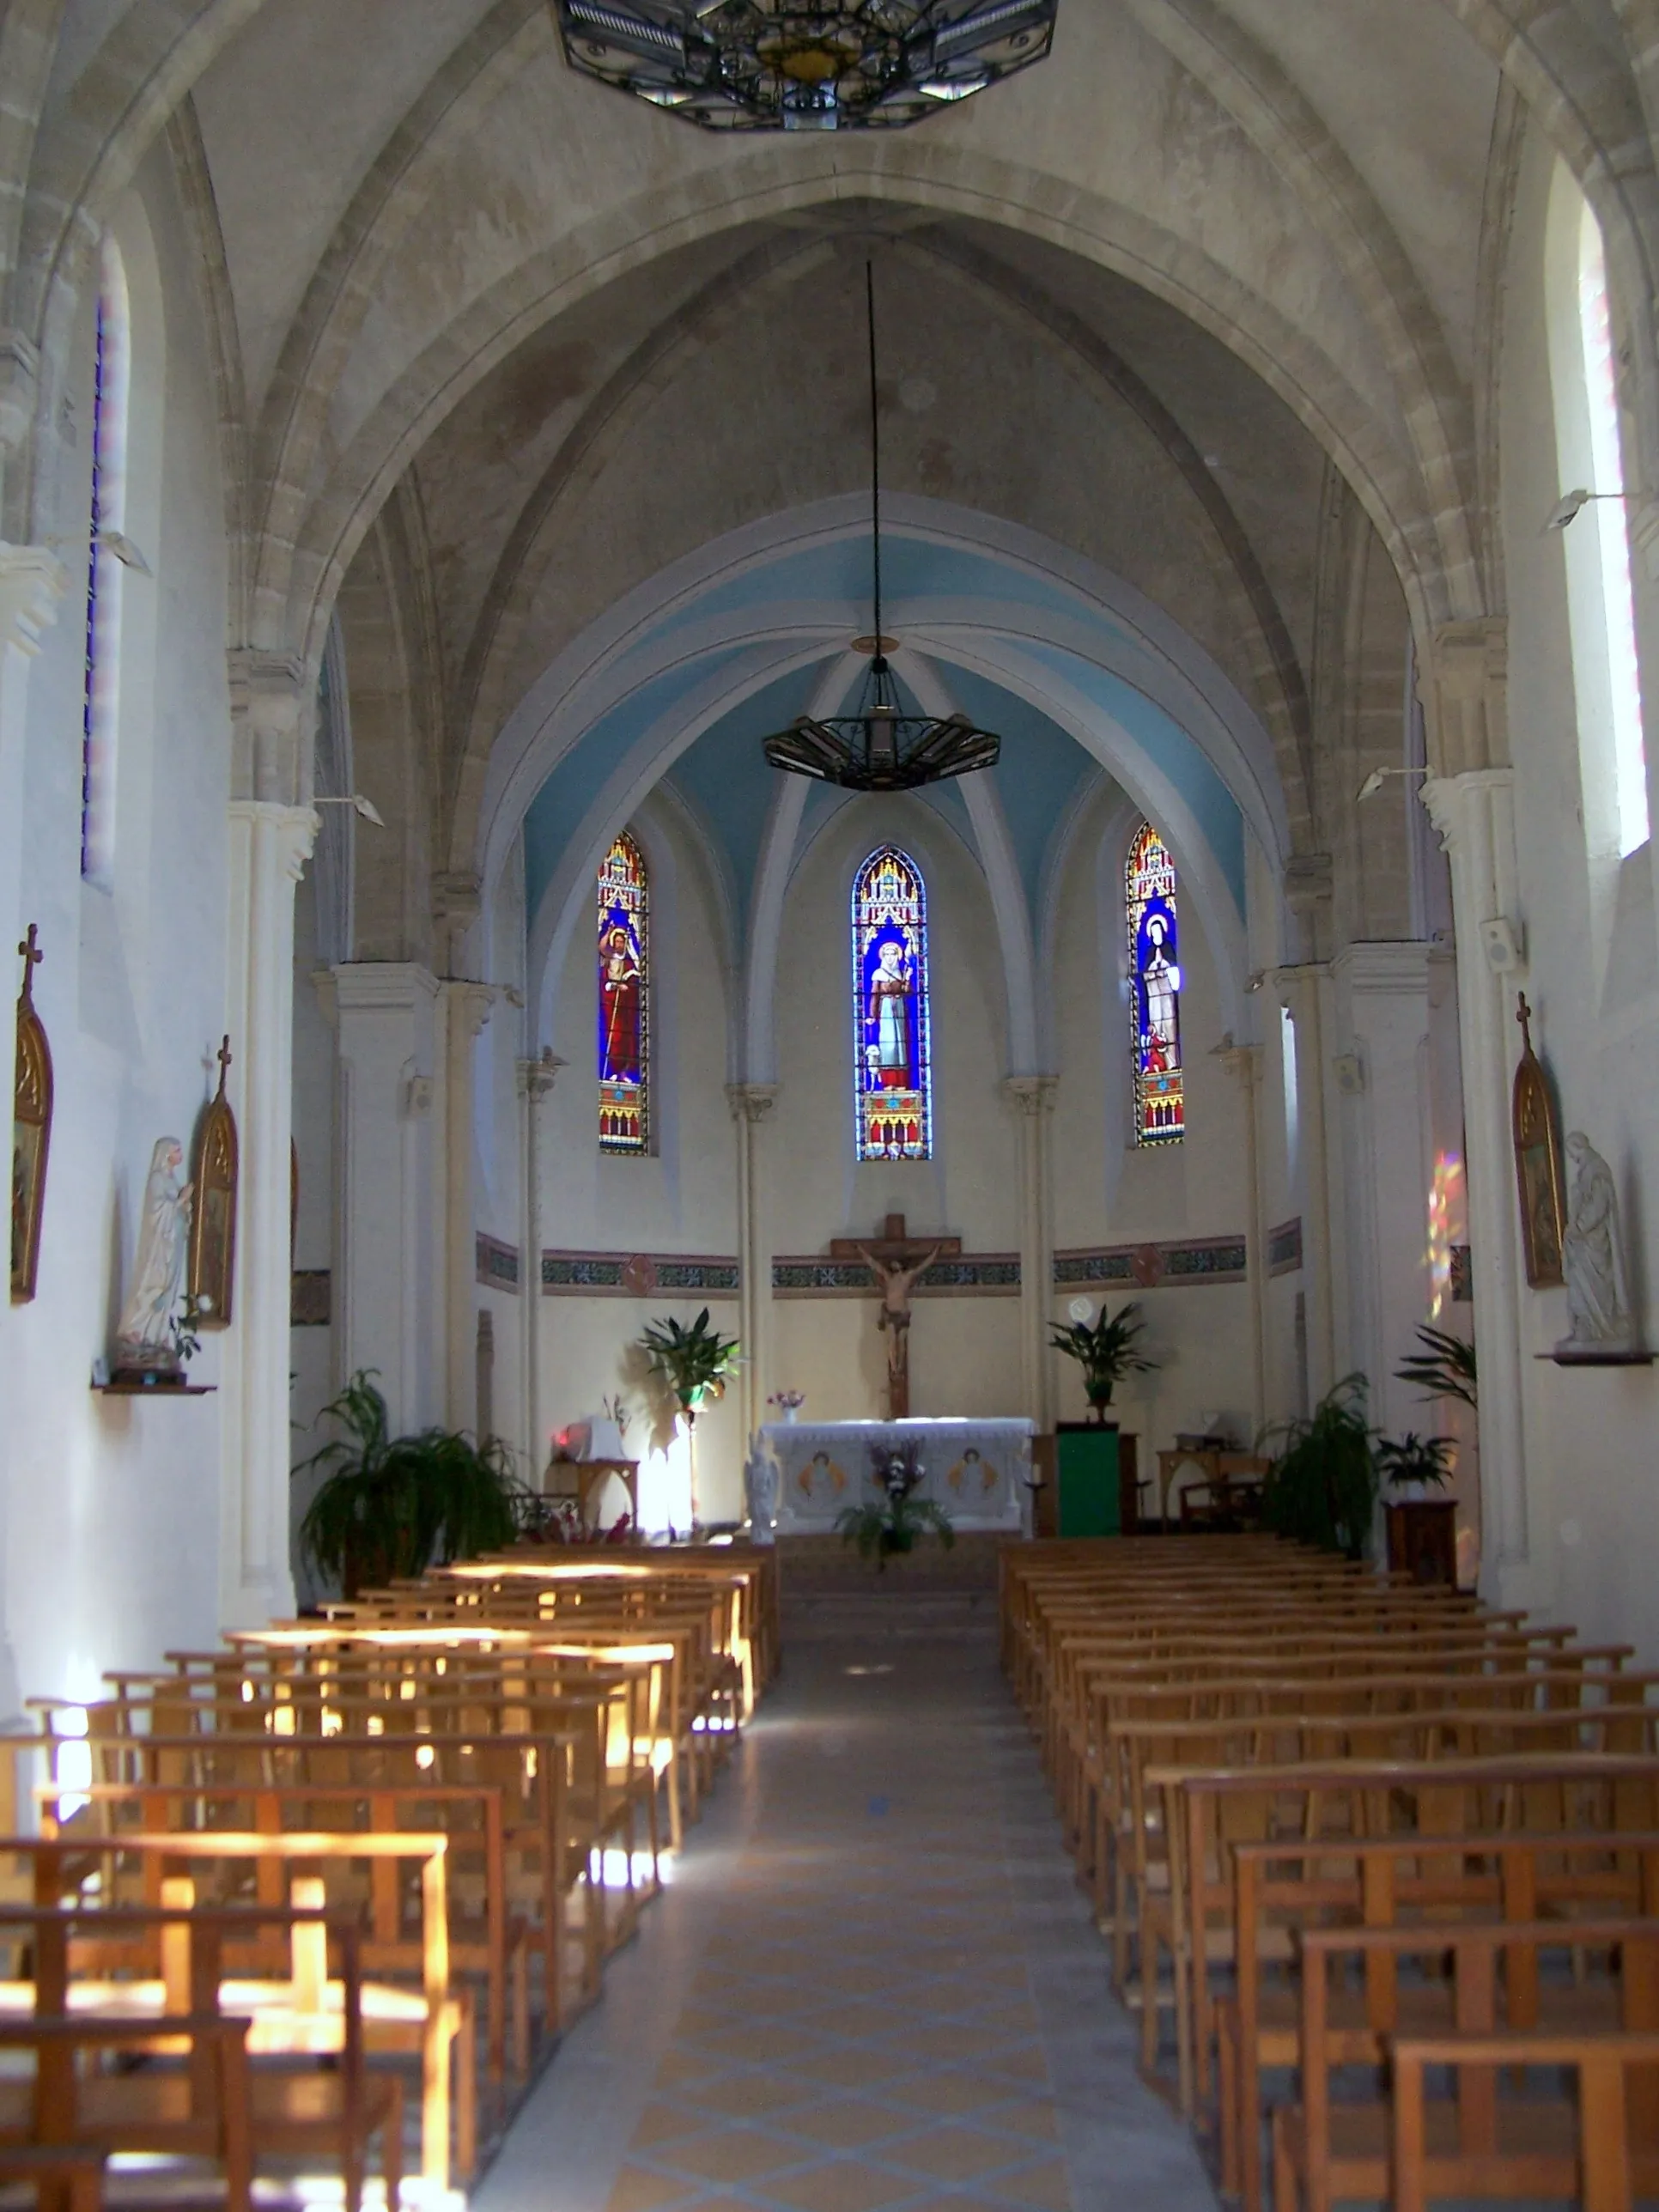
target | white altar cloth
[{"x": 977, "y": 1470}]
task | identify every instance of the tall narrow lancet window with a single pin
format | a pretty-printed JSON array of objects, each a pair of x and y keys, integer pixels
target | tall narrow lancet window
[
  {"x": 893, "y": 1074},
  {"x": 1154, "y": 951},
  {"x": 105, "y": 515},
  {"x": 624, "y": 999}
]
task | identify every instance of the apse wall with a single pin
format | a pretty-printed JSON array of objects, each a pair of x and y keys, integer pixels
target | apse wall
[
  {"x": 113, "y": 1507},
  {"x": 1592, "y": 978}
]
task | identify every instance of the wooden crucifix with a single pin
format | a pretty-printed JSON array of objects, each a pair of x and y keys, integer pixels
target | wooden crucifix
[{"x": 897, "y": 1262}]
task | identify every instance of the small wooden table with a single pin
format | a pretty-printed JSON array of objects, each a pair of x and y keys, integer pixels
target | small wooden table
[
  {"x": 590, "y": 1475},
  {"x": 1222, "y": 1470}
]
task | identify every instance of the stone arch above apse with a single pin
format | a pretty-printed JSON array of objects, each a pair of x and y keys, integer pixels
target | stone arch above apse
[{"x": 629, "y": 699}]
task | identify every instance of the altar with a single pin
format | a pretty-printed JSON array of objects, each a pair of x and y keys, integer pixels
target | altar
[{"x": 977, "y": 1470}]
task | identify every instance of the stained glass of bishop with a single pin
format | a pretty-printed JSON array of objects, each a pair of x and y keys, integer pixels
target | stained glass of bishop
[
  {"x": 624, "y": 985},
  {"x": 893, "y": 1078},
  {"x": 1154, "y": 946}
]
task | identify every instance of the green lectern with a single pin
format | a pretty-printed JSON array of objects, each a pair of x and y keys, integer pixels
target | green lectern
[{"x": 1090, "y": 1503}]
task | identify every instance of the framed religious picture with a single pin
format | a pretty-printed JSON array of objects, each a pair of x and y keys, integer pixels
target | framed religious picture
[
  {"x": 213, "y": 1224},
  {"x": 1539, "y": 1174},
  {"x": 31, "y": 1130}
]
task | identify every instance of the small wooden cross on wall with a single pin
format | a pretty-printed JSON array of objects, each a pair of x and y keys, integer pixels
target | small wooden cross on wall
[
  {"x": 223, "y": 1056},
  {"x": 32, "y": 958},
  {"x": 894, "y": 1244}
]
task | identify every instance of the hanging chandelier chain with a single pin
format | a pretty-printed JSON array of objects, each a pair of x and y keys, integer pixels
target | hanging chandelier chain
[{"x": 875, "y": 452}]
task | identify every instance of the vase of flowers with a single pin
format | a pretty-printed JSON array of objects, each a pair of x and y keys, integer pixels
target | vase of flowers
[
  {"x": 889, "y": 1527},
  {"x": 789, "y": 1403}
]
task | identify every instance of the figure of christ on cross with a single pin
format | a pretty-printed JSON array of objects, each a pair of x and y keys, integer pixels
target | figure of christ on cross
[{"x": 897, "y": 1262}]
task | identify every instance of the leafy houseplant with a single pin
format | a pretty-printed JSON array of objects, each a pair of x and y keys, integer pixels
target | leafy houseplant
[
  {"x": 1105, "y": 1352},
  {"x": 694, "y": 1362},
  {"x": 889, "y": 1528},
  {"x": 1443, "y": 1369},
  {"x": 391, "y": 1504},
  {"x": 1323, "y": 1488},
  {"x": 1425, "y": 1460}
]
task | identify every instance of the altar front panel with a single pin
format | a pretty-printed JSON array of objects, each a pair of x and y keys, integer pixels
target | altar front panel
[{"x": 977, "y": 1470}]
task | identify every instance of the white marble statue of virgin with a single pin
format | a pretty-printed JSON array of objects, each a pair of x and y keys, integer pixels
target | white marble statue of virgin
[
  {"x": 143, "y": 1336},
  {"x": 1591, "y": 1257}
]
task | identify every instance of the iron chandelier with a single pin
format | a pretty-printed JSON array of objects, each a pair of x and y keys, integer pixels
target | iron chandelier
[
  {"x": 803, "y": 65},
  {"x": 881, "y": 747}
]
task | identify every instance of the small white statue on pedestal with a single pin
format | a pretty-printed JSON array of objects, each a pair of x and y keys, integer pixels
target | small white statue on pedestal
[
  {"x": 760, "y": 1484},
  {"x": 143, "y": 1335},
  {"x": 1593, "y": 1261}
]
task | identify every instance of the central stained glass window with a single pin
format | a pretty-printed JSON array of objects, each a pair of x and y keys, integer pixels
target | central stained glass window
[
  {"x": 892, "y": 1064},
  {"x": 1154, "y": 950},
  {"x": 625, "y": 1000}
]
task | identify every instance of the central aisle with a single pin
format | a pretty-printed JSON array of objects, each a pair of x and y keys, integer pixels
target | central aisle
[{"x": 873, "y": 1982}]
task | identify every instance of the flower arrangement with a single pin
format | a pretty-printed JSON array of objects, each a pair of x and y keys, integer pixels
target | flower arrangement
[
  {"x": 788, "y": 1402},
  {"x": 891, "y": 1527}
]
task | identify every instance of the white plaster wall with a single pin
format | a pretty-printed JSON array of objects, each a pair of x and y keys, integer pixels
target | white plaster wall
[
  {"x": 1590, "y": 1435},
  {"x": 112, "y": 1505}
]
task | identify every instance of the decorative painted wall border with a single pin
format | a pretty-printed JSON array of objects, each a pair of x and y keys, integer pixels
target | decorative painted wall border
[
  {"x": 496, "y": 1264},
  {"x": 310, "y": 1298},
  {"x": 1190, "y": 1259},
  {"x": 972, "y": 1274},
  {"x": 637, "y": 1275},
  {"x": 1284, "y": 1247}
]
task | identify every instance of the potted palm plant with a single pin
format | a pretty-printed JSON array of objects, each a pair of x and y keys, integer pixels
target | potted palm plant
[
  {"x": 694, "y": 1362},
  {"x": 1422, "y": 1530},
  {"x": 889, "y": 1527},
  {"x": 1444, "y": 1368},
  {"x": 1322, "y": 1486},
  {"x": 391, "y": 1506},
  {"x": 1105, "y": 1351}
]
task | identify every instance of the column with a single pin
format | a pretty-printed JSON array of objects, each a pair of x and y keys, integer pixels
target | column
[
  {"x": 750, "y": 1103},
  {"x": 1303, "y": 992},
  {"x": 1386, "y": 1143},
  {"x": 464, "y": 1009},
  {"x": 269, "y": 843},
  {"x": 1033, "y": 1099},
  {"x": 388, "y": 1272},
  {"x": 535, "y": 1086},
  {"x": 1243, "y": 1063},
  {"x": 1472, "y": 812}
]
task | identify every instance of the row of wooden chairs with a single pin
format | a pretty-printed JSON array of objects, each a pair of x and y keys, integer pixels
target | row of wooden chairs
[
  {"x": 243, "y": 1893},
  {"x": 1348, "y": 1839}
]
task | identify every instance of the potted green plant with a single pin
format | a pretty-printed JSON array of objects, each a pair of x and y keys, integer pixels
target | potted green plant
[
  {"x": 1444, "y": 1368},
  {"x": 1322, "y": 1486},
  {"x": 390, "y": 1506},
  {"x": 694, "y": 1362},
  {"x": 1105, "y": 1351},
  {"x": 1413, "y": 1465},
  {"x": 890, "y": 1525}
]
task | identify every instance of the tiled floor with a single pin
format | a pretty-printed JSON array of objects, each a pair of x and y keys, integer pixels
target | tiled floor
[{"x": 873, "y": 1988}]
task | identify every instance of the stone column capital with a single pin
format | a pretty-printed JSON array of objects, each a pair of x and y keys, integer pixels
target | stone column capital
[
  {"x": 751, "y": 1102},
  {"x": 475, "y": 1002},
  {"x": 536, "y": 1077},
  {"x": 32, "y": 583},
  {"x": 271, "y": 704},
  {"x": 1448, "y": 798},
  {"x": 1031, "y": 1094},
  {"x": 1464, "y": 690},
  {"x": 379, "y": 986},
  {"x": 292, "y": 831},
  {"x": 1241, "y": 1061}
]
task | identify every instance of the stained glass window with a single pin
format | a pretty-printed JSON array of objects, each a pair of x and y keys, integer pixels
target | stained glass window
[
  {"x": 893, "y": 1075},
  {"x": 97, "y": 560},
  {"x": 106, "y": 522},
  {"x": 625, "y": 1000},
  {"x": 1154, "y": 945}
]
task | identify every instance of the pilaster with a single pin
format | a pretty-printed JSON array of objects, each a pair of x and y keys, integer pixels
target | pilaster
[
  {"x": 1305, "y": 992},
  {"x": 1385, "y": 1140},
  {"x": 465, "y": 1009},
  {"x": 750, "y": 1103},
  {"x": 535, "y": 1078},
  {"x": 1033, "y": 1097},
  {"x": 1473, "y": 813},
  {"x": 389, "y": 1275},
  {"x": 269, "y": 846},
  {"x": 1243, "y": 1063}
]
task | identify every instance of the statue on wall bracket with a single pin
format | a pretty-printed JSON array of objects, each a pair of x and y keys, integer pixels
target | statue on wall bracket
[
  {"x": 212, "y": 1268},
  {"x": 1540, "y": 1176},
  {"x": 31, "y": 1130}
]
